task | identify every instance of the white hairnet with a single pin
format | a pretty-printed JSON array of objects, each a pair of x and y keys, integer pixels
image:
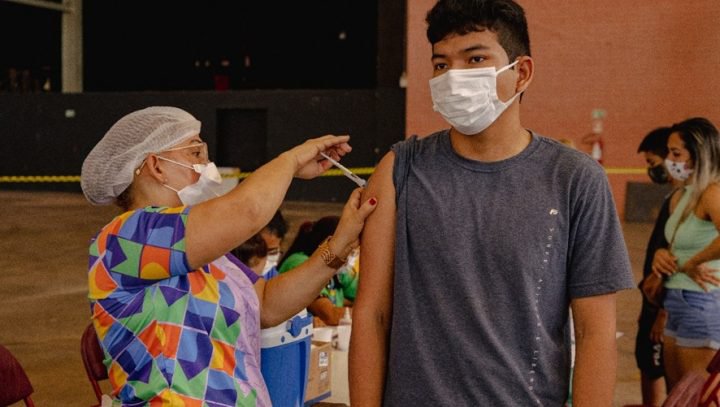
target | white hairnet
[{"x": 109, "y": 168}]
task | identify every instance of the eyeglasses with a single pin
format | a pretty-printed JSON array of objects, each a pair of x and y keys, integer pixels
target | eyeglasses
[{"x": 199, "y": 151}]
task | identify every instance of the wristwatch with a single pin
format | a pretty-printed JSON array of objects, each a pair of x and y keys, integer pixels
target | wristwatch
[{"x": 328, "y": 257}]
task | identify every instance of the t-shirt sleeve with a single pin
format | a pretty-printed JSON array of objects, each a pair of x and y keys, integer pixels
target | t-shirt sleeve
[
  {"x": 249, "y": 273},
  {"x": 144, "y": 246},
  {"x": 598, "y": 261}
]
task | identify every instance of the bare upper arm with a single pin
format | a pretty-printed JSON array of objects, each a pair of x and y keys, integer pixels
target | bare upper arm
[
  {"x": 595, "y": 314},
  {"x": 377, "y": 252},
  {"x": 710, "y": 205}
]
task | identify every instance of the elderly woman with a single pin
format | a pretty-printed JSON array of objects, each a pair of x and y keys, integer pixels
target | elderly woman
[{"x": 177, "y": 316}]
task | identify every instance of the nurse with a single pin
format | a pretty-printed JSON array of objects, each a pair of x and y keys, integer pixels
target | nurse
[{"x": 178, "y": 317}]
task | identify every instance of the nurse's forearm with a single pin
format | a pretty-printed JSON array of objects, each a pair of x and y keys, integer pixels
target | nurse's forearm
[{"x": 290, "y": 292}]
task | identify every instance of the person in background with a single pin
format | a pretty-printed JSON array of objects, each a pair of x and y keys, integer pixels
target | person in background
[
  {"x": 253, "y": 252},
  {"x": 691, "y": 263},
  {"x": 484, "y": 236},
  {"x": 177, "y": 316},
  {"x": 651, "y": 322},
  {"x": 330, "y": 305},
  {"x": 273, "y": 234}
]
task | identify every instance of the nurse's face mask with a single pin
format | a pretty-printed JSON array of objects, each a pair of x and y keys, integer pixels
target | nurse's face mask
[{"x": 208, "y": 186}]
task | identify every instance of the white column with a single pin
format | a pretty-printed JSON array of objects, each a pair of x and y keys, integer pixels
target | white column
[{"x": 72, "y": 47}]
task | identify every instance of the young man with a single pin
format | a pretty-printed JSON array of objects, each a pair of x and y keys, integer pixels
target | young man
[
  {"x": 651, "y": 323},
  {"x": 484, "y": 237}
]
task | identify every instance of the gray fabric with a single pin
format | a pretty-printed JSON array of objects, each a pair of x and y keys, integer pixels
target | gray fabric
[{"x": 488, "y": 256}]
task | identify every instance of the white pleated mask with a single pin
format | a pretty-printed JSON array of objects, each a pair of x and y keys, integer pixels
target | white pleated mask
[
  {"x": 467, "y": 98},
  {"x": 208, "y": 186}
]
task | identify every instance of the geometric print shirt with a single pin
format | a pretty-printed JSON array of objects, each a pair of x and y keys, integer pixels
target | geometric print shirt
[{"x": 173, "y": 336}]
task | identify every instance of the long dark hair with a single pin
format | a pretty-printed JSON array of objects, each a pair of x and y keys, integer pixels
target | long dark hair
[
  {"x": 310, "y": 235},
  {"x": 702, "y": 140}
]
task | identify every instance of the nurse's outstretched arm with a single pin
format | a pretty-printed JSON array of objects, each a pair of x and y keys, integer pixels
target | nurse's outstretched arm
[{"x": 219, "y": 225}]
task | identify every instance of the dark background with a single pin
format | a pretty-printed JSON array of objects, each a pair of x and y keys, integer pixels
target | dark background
[
  {"x": 132, "y": 45},
  {"x": 296, "y": 70}
]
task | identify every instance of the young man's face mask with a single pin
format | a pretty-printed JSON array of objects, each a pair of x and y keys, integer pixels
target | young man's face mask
[{"x": 467, "y": 98}]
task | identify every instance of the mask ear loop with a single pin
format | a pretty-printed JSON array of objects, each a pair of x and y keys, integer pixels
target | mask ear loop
[
  {"x": 506, "y": 67},
  {"x": 198, "y": 168}
]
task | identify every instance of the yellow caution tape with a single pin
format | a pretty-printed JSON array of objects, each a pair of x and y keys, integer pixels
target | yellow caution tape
[
  {"x": 39, "y": 178},
  {"x": 20, "y": 179},
  {"x": 23, "y": 179},
  {"x": 626, "y": 171}
]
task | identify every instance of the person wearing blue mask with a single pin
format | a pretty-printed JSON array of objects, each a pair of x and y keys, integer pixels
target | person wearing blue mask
[{"x": 485, "y": 235}]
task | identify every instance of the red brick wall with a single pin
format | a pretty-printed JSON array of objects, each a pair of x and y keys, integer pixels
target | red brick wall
[{"x": 646, "y": 62}]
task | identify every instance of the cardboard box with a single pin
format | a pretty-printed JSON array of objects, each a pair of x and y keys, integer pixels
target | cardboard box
[{"x": 320, "y": 373}]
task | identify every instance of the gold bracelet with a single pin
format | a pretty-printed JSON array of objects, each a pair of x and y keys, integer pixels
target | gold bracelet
[{"x": 328, "y": 257}]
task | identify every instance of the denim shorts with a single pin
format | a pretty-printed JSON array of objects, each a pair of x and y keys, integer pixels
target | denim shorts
[{"x": 693, "y": 318}]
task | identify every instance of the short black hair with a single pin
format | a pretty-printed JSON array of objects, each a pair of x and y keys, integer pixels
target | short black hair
[
  {"x": 503, "y": 17},
  {"x": 253, "y": 247},
  {"x": 310, "y": 235},
  {"x": 656, "y": 142},
  {"x": 277, "y": 225}
]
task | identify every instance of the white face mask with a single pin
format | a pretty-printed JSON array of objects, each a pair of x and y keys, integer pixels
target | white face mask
[
  {"x": 467, "y": 98},
  {"x": 271, "y": 261},
  {"x": 678, "y": 170},
  {"x": 208, "y": 186}
]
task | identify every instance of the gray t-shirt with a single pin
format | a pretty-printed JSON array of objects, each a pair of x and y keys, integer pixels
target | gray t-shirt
[{"x": 488, "y": 256}]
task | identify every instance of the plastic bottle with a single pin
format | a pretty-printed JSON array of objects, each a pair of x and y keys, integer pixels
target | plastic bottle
[
  {"x": 347, "y": 318},
  {"x": 598, "y": 115}
]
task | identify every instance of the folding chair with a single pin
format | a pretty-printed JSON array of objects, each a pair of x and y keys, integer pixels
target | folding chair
[
  {"x": 92, "y": 356},
  {"x": 15, "y": 385},
  {"x": 686, "y": 393},
  {"x": 710, "y": 396}
]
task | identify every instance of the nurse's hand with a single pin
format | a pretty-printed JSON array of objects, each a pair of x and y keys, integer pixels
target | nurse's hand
[
  {"x": 701, "y": 274},
  {"x": 308, "y": 161},
  {"x": 664, "y": 263},
  {"x": 347, "y": 234}
]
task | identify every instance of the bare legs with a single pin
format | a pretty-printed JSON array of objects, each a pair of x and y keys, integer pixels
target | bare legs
[{"x": 680, "y": 360}]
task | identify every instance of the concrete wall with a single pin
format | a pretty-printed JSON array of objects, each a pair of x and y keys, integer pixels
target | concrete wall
[
  {"x": 647, "y": 63},
  {"x": 39, "y": 139}
]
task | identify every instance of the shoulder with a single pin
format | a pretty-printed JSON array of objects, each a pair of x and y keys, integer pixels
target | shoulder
[
  {"x": 710, "y": 197},
  {"x": 415, "y": 144},
  {"x": 136, "y": 224},
  {"x": 568, "y": 161}
]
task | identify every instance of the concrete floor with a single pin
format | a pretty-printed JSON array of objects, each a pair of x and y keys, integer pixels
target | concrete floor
[{"x": 43, "y": 288}]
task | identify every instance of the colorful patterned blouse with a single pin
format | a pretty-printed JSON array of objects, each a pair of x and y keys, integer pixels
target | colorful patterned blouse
[{"x": 173, "y": 336}]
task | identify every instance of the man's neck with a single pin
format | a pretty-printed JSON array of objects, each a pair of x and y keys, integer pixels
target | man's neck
[{"x": 502, "y": 140}]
